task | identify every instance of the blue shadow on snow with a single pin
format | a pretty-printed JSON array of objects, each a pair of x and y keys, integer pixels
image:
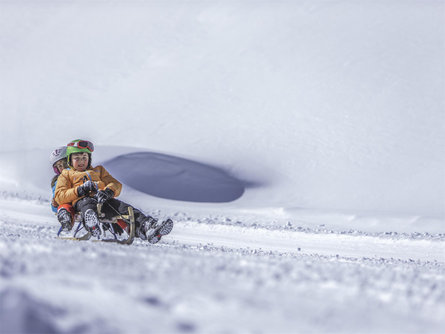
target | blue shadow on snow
[{"x": 174, "y": 178}]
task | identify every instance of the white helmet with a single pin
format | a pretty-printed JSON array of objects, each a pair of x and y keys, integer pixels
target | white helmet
[{"x": 56, "y": 155}]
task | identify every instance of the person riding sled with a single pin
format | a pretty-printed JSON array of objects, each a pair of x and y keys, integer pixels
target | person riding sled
[
  {"x": 85, "y": 186},
  {"x": 65, "y": 212}
]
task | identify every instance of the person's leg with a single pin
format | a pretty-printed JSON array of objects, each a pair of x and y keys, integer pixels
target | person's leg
[
  {"x": 114, "y": 207},
  {"x": 87, "y": 206},
  {"x": 143, "y": 223},
  {"x": 158, "y": 230},
  {"x": 84, "y": 204},
  {"x": 65, "y": 216},
  {"x": 147, "y": 227}
]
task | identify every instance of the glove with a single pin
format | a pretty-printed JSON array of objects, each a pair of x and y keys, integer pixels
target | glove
[
  {"x": 104, "y": 195},
  {"x": 54, "y": 203},
  {"x": 86, "y": 188}
]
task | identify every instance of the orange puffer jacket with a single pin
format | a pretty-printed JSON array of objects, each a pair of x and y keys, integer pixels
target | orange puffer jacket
[{"x": 69, "y": 180}]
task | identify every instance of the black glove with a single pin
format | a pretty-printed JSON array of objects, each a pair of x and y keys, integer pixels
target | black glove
[
  {"x": 86, "y": 188},
  {"x": 104, "y": 195}
]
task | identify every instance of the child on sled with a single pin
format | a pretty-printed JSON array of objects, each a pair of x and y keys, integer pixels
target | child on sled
[
  {"x": 84, "y": 186},
  {"x": 65, "y": 212}
]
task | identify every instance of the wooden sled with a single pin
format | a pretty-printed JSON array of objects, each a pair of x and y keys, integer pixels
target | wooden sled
[{"x": 126, "y": 222}]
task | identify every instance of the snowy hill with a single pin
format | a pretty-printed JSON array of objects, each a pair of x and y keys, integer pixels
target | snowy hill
[
  {"x": 326, "y": 105},
  {"x": 297, "y": 145}
]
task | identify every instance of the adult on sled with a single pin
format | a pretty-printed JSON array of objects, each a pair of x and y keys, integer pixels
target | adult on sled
[
  {"x": 65, "y": 213},
  {"x": 86, "y": 186}
]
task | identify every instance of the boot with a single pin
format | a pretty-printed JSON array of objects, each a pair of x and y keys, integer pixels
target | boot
[
  {"x": 145, "y": 225},
  {"x": 158, "y": 230},
  {"x": 64, "y": 218},
  {"x": 91, "y": 222}
]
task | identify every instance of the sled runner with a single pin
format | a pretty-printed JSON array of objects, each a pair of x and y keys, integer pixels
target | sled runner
[{"x": 125, "y": 222}]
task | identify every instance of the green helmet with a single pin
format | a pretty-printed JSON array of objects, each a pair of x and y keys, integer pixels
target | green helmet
[{"x": 79, "y": 146}]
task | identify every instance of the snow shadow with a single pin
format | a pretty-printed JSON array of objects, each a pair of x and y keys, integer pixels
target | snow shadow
[
  {"x": 175, "y": 178},
  {"x": 21, "y": 313}
]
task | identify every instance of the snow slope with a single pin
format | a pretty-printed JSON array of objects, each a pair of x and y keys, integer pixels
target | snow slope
[
  {"x": 297, "y": 145},
  {"x": 328, "y": 104}
]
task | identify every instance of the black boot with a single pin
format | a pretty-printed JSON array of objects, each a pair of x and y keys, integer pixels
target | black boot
[
  {"x": 91, "y": 222},
  {"x": 145, "y": 225},
  {"x": 64, "y": 218},
  {"x": 158, "y": 230}
]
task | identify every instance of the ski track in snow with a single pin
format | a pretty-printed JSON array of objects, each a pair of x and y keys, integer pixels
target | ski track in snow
[{"x": 215, "y": 278}]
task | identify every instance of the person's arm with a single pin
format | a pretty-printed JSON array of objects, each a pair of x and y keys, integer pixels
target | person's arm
[
  {"x": 54, "y": 204},
  {"x": 110, "y": 182},
  {"x": 65, "y": 193}
]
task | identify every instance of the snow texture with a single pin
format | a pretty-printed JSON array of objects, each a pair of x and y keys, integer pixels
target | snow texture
[{"x": 297, "y": 145}]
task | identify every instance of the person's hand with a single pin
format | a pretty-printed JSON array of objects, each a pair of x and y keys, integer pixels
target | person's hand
[
  {"x": 86, "y": 188},
  {"x": 104, "y": 195}
]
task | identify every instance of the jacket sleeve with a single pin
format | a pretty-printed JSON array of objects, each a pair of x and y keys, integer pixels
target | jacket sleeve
[
  {"x": 53, "y": 189},
  {"x": 110, "y": 182},
  {"x": 65, "y": 193},
  {"x": 53, "y": 208}
]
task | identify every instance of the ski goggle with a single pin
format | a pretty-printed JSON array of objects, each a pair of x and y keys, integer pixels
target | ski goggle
[{"x": 83, "y": 144}]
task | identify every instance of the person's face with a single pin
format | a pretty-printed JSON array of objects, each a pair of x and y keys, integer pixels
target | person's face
[
  {"x": 60, "y": 165},
  {"x": 80, "y": 161}
]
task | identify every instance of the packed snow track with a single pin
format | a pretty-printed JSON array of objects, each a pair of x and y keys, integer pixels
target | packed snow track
[{"x": 215, "y": 278}]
